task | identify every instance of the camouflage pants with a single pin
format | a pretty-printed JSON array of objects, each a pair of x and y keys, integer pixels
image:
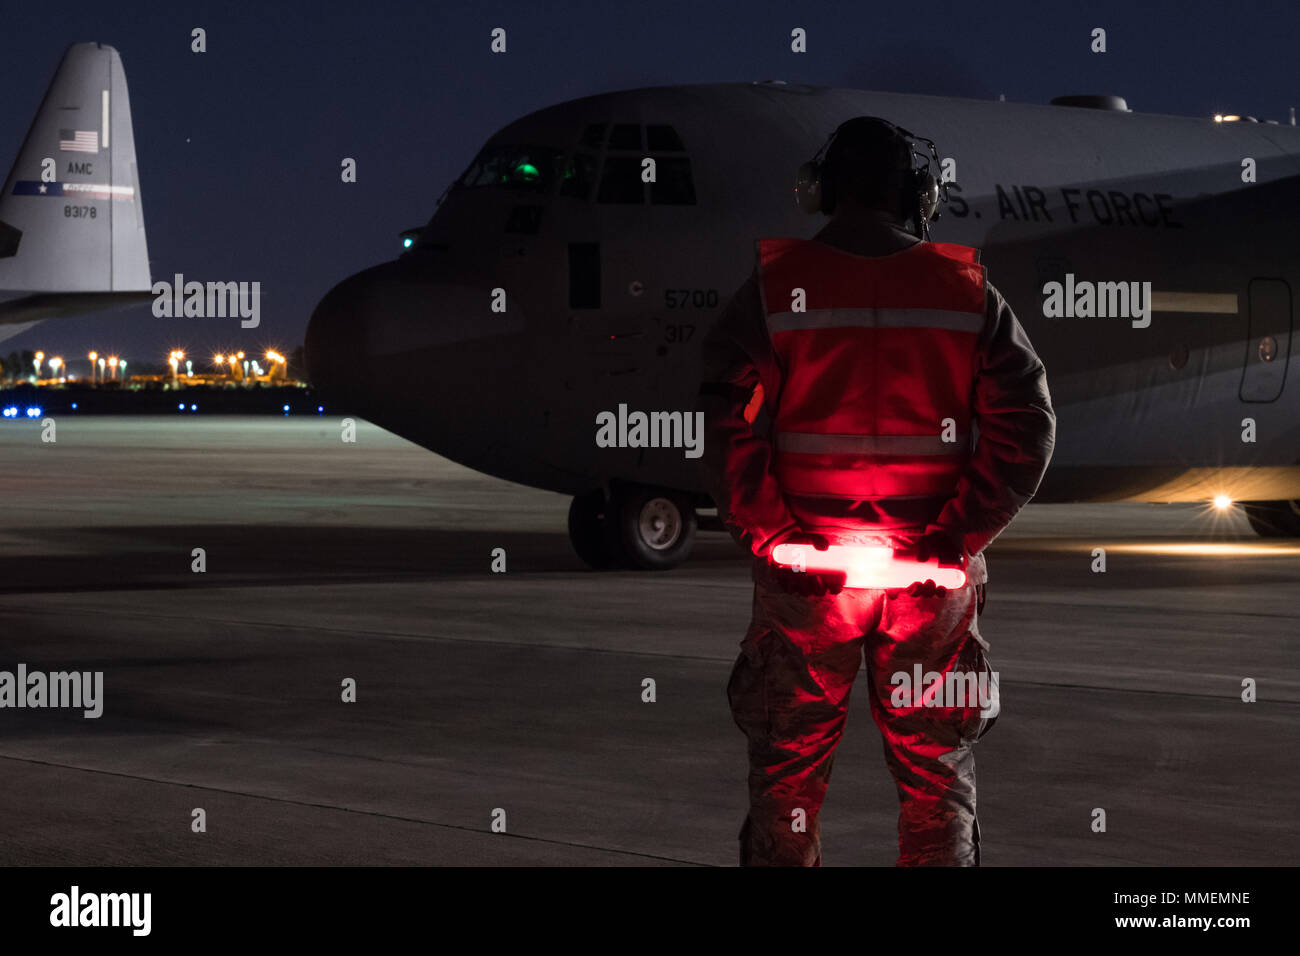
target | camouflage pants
[{"x": 789, "y": 694}]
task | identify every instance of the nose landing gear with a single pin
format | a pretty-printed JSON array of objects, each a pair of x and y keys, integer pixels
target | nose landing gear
[{"x": 650, "y": 529}]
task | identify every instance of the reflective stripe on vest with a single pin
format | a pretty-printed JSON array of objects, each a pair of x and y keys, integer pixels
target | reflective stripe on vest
[
  {"x": 876, "y": 318},
  {"x": 813, "y": 443},
  {"x": 878, "y": 368}
]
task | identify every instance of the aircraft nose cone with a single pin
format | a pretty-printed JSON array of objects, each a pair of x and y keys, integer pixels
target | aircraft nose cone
[{"x": 336, "y": 344}]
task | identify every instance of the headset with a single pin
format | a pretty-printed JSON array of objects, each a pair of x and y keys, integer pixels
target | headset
[{"x": 814, "y": 191}]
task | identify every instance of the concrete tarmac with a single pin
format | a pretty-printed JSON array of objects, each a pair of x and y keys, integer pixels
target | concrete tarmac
[{"x": 482, "y": 694}]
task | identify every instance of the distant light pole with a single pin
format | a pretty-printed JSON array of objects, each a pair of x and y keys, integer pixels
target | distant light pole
[
  {"x": 93, "y": 356},
  {"x": 112, "y": 364},
  {"x": 101, "y": 370},
  {"x": 40, "y": 357},
  {"x": 56, "y": 363},
  {"x": 277, "y": 365}
]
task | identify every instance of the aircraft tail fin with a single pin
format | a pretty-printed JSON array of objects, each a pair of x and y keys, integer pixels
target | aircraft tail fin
[{"x": 71, "y": 219}]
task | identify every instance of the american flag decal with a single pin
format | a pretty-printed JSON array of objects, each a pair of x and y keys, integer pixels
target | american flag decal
[{"x": 79, "y": 140}]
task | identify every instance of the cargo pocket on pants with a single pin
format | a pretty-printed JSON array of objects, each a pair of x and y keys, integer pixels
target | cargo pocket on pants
[{"x": 747, "y": 686}]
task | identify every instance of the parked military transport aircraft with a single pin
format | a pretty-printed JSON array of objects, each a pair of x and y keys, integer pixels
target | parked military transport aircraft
[
  {"x": 609, "y": 284},
  {"x": 72, "y": 235}
]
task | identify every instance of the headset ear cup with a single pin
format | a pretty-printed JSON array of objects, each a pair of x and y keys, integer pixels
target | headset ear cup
[
  {"x": 808, "y": 187},
  {"x": 927, "y": 192}
]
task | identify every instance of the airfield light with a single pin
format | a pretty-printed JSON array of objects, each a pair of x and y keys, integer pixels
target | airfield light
[
  {"x": 121, "y": 367},
  {"x": 112, "y": 364},
  {"x": 408, "y": 242},
  {"x": 92, "y": 357},
  {"x": 527, "y": 171},
  {"x": 55, "y": 364},
  {"x": 1222, "y": 502},
  {"x": 272, "y": 356},
  {"x": 240, "y": 355},
  {"x": 218, "y": 360},
  {"x": 189, "y": 368},
  {"x": 40, "y": 357},
  {"x": 101, "y": 368}
]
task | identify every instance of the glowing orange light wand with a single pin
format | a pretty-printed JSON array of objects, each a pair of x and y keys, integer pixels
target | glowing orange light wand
[{"x": 868, "y": 566}]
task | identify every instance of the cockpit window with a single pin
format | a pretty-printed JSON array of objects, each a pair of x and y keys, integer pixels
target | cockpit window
[
  {"x": 625, "y": 136},
  {"x": 620, "y": 180},
  {"x": 530, "y": 168},
  {"x": 593, "y": 137},
  {"x": 625, "y": 155},
  {"x": 577, "y": 175},
  {"x": 663, "y": 138}
]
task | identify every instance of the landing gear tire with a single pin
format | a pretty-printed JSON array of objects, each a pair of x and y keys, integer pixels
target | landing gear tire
[
  {"x": 592, "y": 533},
  {"x": 1273, "y": 519},
  {"x": 648, "y": 529},
  {"x": 656, "y": 528}
]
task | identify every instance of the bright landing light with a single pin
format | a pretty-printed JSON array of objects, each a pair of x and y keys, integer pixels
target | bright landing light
[{"x": 1222, "y": 502}]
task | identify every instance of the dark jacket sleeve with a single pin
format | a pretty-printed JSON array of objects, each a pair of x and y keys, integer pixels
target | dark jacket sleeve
[
  {"x": 1016, "y": 427},
  {"x": 737, "y": 461}
]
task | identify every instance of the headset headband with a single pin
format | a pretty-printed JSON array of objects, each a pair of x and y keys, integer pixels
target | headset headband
[{"x": 925, "y": 183}]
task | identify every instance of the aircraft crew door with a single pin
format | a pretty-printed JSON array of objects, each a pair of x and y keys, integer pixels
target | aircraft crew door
[{"x": 1268, "y": 343}]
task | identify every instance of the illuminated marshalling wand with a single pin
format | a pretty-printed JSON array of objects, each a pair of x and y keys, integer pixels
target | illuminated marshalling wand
[{"x": 868, "y": 566}]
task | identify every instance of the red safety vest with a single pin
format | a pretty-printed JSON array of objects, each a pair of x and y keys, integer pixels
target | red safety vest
[{"x": 881, "y": 354}]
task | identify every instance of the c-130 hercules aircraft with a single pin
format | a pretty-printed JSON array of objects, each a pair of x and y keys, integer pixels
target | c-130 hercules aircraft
[{"x": 611, "y": 284}]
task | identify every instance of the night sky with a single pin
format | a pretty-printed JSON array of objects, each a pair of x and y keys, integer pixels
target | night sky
[{"x": 239, "y": 148}]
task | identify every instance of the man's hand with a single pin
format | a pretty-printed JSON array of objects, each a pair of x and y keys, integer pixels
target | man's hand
[
  {"x": 807, "y": 583},
  {"x": 934, "y": 545}
]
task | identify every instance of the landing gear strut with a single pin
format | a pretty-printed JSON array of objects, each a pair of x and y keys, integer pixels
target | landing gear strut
[{"x": 651, "y": 529}]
